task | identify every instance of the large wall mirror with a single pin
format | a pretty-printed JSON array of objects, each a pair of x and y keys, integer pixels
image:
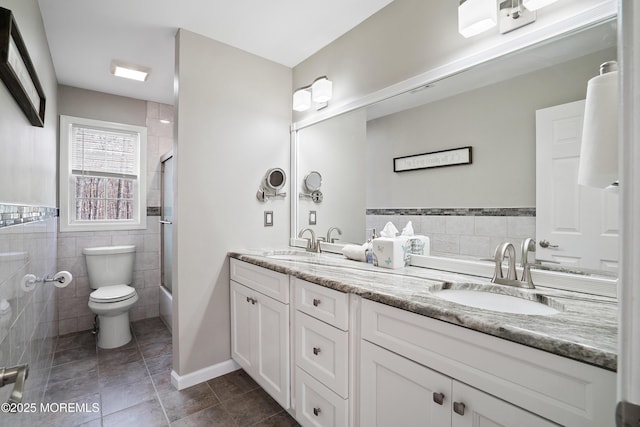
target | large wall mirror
[{"x": 466, "y": 210}]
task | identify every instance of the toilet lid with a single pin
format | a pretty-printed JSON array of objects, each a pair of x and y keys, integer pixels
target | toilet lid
[{"x": 112, "y": 293}]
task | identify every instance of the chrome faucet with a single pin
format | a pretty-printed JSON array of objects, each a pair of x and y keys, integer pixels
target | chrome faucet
[
  {"x": 312, "y": 243},
  {"x": 16, "y": 375},
  {"x": 528, "y": 245},
  {"x": 507, "y": 249},
  {"x": 329, "y": 238}
]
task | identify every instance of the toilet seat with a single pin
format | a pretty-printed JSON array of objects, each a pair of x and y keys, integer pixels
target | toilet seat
[{"x": 111, "y": 294}]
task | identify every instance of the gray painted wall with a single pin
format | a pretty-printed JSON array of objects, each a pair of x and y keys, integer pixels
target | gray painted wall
[
  {"x": 73, "y": 101},
  {"x": 233, "y": 116}
]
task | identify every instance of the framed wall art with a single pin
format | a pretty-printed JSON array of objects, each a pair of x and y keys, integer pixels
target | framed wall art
[{"x": 17, "y": 71}]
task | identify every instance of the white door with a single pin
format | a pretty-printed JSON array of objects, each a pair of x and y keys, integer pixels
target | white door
[
  {"x": 398, "y": 392},
  {"x": 474, "y": 408},
  {"x": 579, "y": 223}
]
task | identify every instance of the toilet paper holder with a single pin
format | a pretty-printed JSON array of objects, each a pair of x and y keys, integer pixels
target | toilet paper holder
[{"x": 61, "y": 279}]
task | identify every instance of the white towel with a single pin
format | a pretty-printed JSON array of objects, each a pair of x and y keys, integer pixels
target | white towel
[{"x": 355, "y": 252}]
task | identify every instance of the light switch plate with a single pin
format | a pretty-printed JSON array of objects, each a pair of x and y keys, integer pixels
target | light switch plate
[
  {"x": 268, "y": 218},
  {"x": 312, "y": 218}
]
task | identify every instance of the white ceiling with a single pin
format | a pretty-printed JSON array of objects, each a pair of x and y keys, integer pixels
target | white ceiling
[{"x": 86, "y": 35}]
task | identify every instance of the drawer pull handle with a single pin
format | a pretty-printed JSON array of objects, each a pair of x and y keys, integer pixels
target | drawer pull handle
[
  {"x": 252, "y": 300},
  {"x": 458, "y": 408},
  {"x": 438, "y": 398},
  {"x": 316, "y": 350},
  {"x": 316, "y": 302},
  {"x": 316, "y": 411}
]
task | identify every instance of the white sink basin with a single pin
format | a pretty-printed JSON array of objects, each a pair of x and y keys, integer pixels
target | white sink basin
[{"x": 496, "y": 301}]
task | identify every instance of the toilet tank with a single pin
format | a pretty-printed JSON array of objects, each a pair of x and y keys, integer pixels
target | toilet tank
[{"x": 110, "y": 265}]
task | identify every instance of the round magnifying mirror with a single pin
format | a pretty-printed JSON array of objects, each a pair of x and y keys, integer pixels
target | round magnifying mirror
[
  {"x": 275, "y": 179},
  {"x": 313, "y": 181}
]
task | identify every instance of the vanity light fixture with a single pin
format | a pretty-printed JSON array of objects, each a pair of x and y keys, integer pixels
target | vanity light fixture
[
  {"x": 537, "y": 4},
  {"x": 130, "y": 71},
  {"x": 598, "y": 165},
  {"x": 476, "y": 16},
  {"x": 319, "y": 92}
]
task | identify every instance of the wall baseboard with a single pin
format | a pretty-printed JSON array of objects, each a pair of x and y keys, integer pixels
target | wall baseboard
[{"x": 205, "y": 374}]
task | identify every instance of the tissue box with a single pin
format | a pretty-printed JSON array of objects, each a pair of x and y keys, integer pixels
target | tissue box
[
  {"x": 390, "y": 251},
  {"x": 393, "y": 252}
]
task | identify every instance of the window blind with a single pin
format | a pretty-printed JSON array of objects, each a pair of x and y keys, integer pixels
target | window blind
[{"x": 102, "y": 152}]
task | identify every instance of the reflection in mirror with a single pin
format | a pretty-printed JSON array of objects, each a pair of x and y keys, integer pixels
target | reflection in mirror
[
  {"x": 336, "y": 147},
  {"x": 466, "y": 211}
]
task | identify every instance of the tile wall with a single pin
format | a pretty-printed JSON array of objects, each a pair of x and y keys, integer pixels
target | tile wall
[
  {"x": 28, "y": 320},
  {"x": 468, "y": 231},
  {"x": 74, "y": 313}
]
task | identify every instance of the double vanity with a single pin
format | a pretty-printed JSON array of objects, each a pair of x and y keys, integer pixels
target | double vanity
[{"x": 344, "y": 343}]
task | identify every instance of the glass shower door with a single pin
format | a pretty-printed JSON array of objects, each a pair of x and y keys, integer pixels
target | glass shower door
[{"x": 166, "y": 222}]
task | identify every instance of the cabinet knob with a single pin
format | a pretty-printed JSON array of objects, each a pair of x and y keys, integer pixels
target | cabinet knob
[
  {"x": 316, "y": 350},
  {"x": 316, "y": 302},
  {"x": 438, "y": 398},
  {"x": 316, "y": 411},
  {"x": 458, "y": 408}
]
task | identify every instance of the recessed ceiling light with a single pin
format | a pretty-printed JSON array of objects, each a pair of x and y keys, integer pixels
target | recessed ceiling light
[{"x": 129, "y": 71}]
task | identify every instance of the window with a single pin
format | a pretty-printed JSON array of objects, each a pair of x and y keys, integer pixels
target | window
[{"x": 102, "y": 175}]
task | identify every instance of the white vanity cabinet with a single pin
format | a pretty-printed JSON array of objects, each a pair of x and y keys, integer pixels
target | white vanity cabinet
[
  {"x": 399, "y": 392},
  {"x": 260, "y": 327},
  {"x": 409, "y": 362},
  {"x": 321, "y": 355}
]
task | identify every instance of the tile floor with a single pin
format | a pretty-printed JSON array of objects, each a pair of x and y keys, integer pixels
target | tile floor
[{"x": 131, "y": 387}]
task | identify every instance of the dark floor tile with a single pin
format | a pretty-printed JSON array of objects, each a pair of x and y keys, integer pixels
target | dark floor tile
[
  {"x": 159, "y": 364},
  {"x": 147, "y": 414},
  {"x": 75, "y": 340},
  {"x": 122, "y": 375},
  {"x": 131, "y": 344},
  {"x": 118, "y": 356},
  {"x": 213, "y": 416},
  {"x": 232, "y": 384},
  {"x": 71, "y": 370},
  {"x": 116, "y": 398},
  {"x": 74, "y": 355},
  {"x": 156, "y": 348},
  {"x": 252, "y": 407},
  {"x": 153, "y": 335},
  {"x": 162, "y": 382},
  {"x": 283, "y": 419},
  {"x": 78, "y": 387},
  {"x": 181, "y": 403},
  {"x": 145, "y": 325}
]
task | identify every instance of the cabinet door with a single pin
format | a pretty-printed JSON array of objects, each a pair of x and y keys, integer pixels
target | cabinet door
[
  {"x": 241, "y": 341},
  {"x": 398, "y": 392},
  {"x": 272, "y": 347},
  {"x": 483, "y": 410}
]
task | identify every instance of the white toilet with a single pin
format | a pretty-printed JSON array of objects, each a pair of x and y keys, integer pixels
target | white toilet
[{"x": 110, "y": 270}]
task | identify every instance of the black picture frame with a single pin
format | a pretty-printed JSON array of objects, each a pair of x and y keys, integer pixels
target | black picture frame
[
  {"x": 17, "y": 71},
  {"x": 434, "y": 159}
]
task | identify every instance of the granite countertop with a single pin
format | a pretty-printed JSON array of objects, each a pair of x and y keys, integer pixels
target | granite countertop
[{"x": 585, "y": 329}]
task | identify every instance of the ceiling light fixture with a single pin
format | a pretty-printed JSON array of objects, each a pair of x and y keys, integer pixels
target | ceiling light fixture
[
  {"x": 537, "y": 4},
  {"x": 319, "y": 92},
  {"x": 476, "y": 16},
  {"x": 130, "y": 71}
]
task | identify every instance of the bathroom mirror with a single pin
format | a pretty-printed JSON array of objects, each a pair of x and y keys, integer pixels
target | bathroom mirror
[
  {"x": 502, "y": 177},
  {"x": 312, "y": 181},
  {"x": 273, "y": 181}
]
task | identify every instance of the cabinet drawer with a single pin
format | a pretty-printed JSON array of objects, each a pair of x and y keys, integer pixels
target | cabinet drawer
[
  {"x": 326, "y": 304},
  {"x": 265, "y": 281},
  {"x": 322, "y": 351},
  {"x": 317, "y": 405}
]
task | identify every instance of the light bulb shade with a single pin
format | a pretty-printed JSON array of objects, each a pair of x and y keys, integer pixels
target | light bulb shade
[
  {"x": 537, "y": 4},
  {"x": 322, "y": 90},
  {"x": 301, "y": 100},
  {"x": 476, "y": 16},
  {"x": 599, "y": 149}
]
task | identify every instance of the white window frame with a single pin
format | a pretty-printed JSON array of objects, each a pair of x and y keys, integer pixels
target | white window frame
[{"x": 68, "y": 223}]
